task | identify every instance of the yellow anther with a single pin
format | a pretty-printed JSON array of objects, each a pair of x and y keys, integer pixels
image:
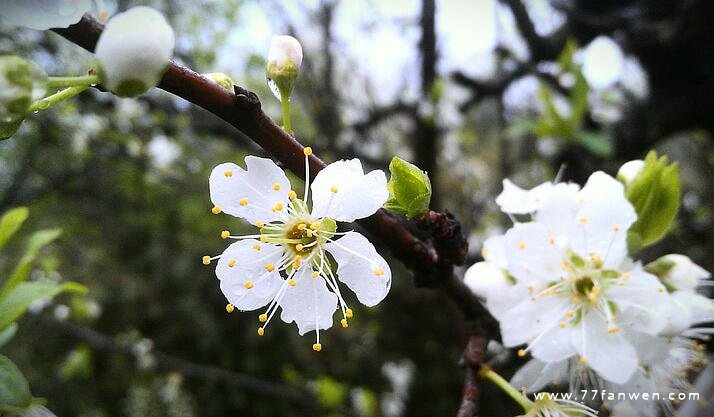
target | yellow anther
[
  {"x": 562, "y": 324},
  {"x": 278, "y": 206},
  {"x": 349, "y": 313},
  {"x": 521, "y": 352},
  {"x": 302, "y": 226},
  {"x": 551, "y": 241},
  {"x": 206, "y": 260},
  {"x": 316, "y": 347},
  {"x": 269, "y": 267},
  {"x": 299, "y": 247},
  {"x": 626, "y": 275},
  {"x": 297, "y": 261},
  {"x": 261, "y": 331},
  {"x": 569, "y": 314},
  {"x": 228, "y": 173},
  {"x": 243, "y": 201},
  {"x": 521, "y": 245},
  {"x": 292, "y": 195},
  {"x": 531, "y": 289},
  {"x": 307, "y": 151},
  {"x": 231, "y": 263},
  {"x": 378, "y": 271},
  {"x": 259, "y": 224},
  {"x": 582, "y": 360},
  {"x": 315, "y": 225},
  {"x": 263, "y": 318},
  {"x": 216, "y": 210},
  {"x": 291, "y": 282},
  {"x": 264, "y": 239},
  {"x": 248, "y": 284},
  {"x": 343, "y": 322},
  {"x": 333, "y": 188},
  {"x": 230, "y": 308},
  {"x": 315, "y": 274},
  {"x": 583, "y": 220},
  {"x": 276, "y": 186},
  {"x": 660, "y": 289},
  {"x": 225, "y": 234},
  {"x": 484, "y": 252},
  {"x": 309, "y": 233},
  {"x": 256, "y": 246},
  {"x": 615, "y": 228},
  {"x": 613, "y": 330}
]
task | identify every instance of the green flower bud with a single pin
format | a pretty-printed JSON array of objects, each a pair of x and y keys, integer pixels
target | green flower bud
[
  {"x": 20, "y": 84},
  {"x": 284, "y": 60},
  {"x": 409, "y": 189},
  {"x": 654, "y": 190},
  {"x": 221, "y": 79}
]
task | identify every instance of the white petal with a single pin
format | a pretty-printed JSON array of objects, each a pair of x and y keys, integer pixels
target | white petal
[
  {"x": 494, "y": 250},
  {"x": 485, "y": 279},
  {"x": 135, "y": 47},
  {"x": 554, "y": 345},
  {"x": 249, "y": 266},
  {"x": 309, "y": 303},
  {"x": 536, "y": 375},
  {"x": 229, "y": 184},
  {"x": 369, "y": 278},
  {"x": 608, "y": 354},
  {"x": 284, "y": 48},
  {"x": 533, "y": 255},
  {"x": 559, "y": 210},
  {"x": 529, "y": 318},
  {"x": 642, "y": 302},
  {"x": 355, "y": 195},
  {"x": 516, "y": 200},
  {"x": 684, "y": 273},
  {"x": 44, "y": 14},
  {"x": 700, "y": 308}
]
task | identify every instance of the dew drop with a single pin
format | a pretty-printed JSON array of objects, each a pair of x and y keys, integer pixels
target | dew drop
[{"x": 274, "y": 88}]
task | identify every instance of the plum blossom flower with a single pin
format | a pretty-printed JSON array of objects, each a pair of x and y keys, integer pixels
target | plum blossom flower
[
  {"x": 574, "y": 292},
  {"x": 286, "y": 264},
  {"x": 44, "y": 14}
]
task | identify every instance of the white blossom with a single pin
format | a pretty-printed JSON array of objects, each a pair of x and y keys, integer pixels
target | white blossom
[
  {"x": 134, "y": 50},
  {"x": 629, "y": 170},
  {"x": 44, "y": 14},
  {"x": 682, "y": 273},
  {"x": 284, "y": 50},
  {"x": 286, "y": 264}
]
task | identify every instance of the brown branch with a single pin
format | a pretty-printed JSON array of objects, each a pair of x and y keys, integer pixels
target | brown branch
[{"x": 471, "y": 361}]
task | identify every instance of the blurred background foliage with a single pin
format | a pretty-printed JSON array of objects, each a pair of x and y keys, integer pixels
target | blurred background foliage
[{"x": 466, "y": 90}]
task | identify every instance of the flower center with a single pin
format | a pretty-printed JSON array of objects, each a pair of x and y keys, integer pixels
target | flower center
[{"x": 584, "y": 286}]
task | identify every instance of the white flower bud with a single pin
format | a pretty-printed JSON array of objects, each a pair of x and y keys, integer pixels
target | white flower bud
[
  {"x": 630, "y": 170},
  {"x": 678, "y": 271},
  {"x": 44, "y": 14},
  {"x": 485, "y": 278},
  {"x": 284, "y": 60},
  {"x": 134, "y": 51}
]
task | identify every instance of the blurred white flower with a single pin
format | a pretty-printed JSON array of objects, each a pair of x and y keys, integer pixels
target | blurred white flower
[
  {"x": 44, "y": 14},
  {"x": 134, "y": 50},
  {"x": 293, "y": 240},
  {"x": 162, "y": 151},
  {"x": 629, "y": 170}
]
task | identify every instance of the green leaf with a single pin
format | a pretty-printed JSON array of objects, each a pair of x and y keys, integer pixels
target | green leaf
[
  {"x": 596, "y": 143},
  {"x": 11, "y": 222},
  {"x": 565, "y": 59},
  {"x": 7, "y": 129},
  {"x": 22, "y": 270},
  {"x": 655, "y": 193},
  {"x": 409, "y": 189},
  {"x": 16, "y": 302},
  {"x": 14, "y": 389},
  {"x": 7, "y": 334},
  {"x": 578, "y": 99}
]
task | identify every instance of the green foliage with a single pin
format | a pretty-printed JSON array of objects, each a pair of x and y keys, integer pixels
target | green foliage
[
  {"x": 330, "y": 393},
  {"x": 409, "y": 189},
  {"x": 7, "y": 334},
  {"x": 22, "y": 270},
  {"x": 14, "y": 389},
  {"x": 15, "y": 302},
  {"x": 11, "y": 223},
  {"x": 655, "y": 193}
]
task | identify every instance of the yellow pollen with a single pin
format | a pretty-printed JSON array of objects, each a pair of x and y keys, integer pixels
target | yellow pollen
[
  {"x": 309, "y": 232},
  {"x": 315, "y": 225},
  {"x": 291, "y": 282},
  {"x": 349, "y": 313},
  {"x": 297, "y": 261},
  {"x": 231, "y": 263},
  {"x": 228, "y": 173},
  {"x": 521, "y": 352},
  {"x": 316, "y": 347},
  {"x": 278, "y": 206},
  {"x": 343, "y": 322},
  {"x": 660, "y": 289},
  {"x": 216, "y": 210},
  {"x": 276, "y": 186},
  {"x": 269, "y": 267},
  {"x": 315, "y": 274},
  {"x": 206, "y": 260},
  {"x": 248, "y": 284},
  {"x": 263, "y": 318},
  {"x": 302, "y": 226},
  {"x": 259, "y": 224},
  {"x": 626, "y": 275},
  {"x": 299, "y": 247},
  {"x": 583, "y": 220},
  {"x": 261, "y": 331},
  {"x": 613, "y": 330},
  {"x": 530, "y": 289},
  {"x": 243, "y": 201},
  {"x": 522, "y": 245},
  {"x": 256, "y": 246},
  {"x": 615, "y": 228},
  {"x": 264, "y": 239},
  {"x": 292, "y": 195},
  {"x": 225, "y": 234},
  {"x": 569, "y": 314},
  {"x": 230, "y": 308},
  {"x": 562, "y": 324},
  {"x": 333, "y": 188},
  {"x": 551, "y": 241},
  {"x": 378, "y": 271},
  {"x": 484, "y": 252},
  {"x": 307, "y": 151},
  {"x": 582, "y": 360}
]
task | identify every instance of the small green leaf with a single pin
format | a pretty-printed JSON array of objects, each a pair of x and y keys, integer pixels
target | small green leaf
[
  {"x": 22, "y": 270},
  {"x": 596, "y": 143},
  {"x": 15, "y": 302},
  {"x": 579, "y": 99},
  {"x": 409, "y": 189},
  {"x": 7, "y": 334},
  {"x": 14, "y": 389},
  {"x": 11, "y": 222}
]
